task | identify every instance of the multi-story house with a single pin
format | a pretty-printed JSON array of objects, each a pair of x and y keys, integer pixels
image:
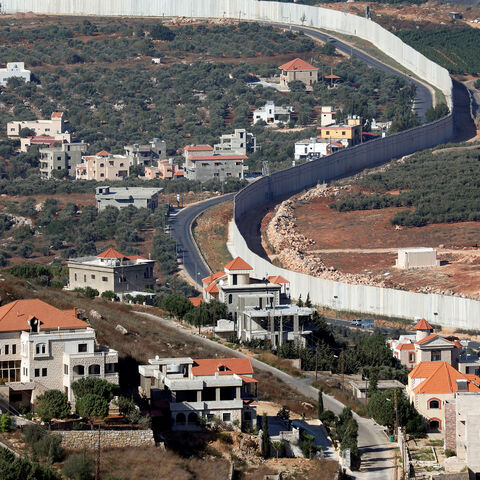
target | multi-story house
[
  {"x": 121, "y": 197},
  {"x": 165, "y": 170},
  {"x": 315, "y": 148},
  {"x": 187, "y": 390},
  {"x": 112, "y": 271},
  {"x": 348, "y": 134},
  {"x": 431, "y": 384},
  {"x": 14, "y": 70},
  {"x": 102, "y": 166},
  {"x": 145, "y": 154},
  {"x": 272, "y": 114},
  {"x": 63, "y": 157},
  {"x": 298, "y": 70},
  {"x": 55, "y": 125},
  {"x": 240, "y": 142},
  {"x": 44, "y": 141},
  {"x": 44, "y": 348}
]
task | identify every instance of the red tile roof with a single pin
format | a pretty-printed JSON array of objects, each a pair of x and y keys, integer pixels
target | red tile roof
[
  {"x": 440, "y": 377},
  {"x": 212, "y": 277},
  {"x": 212, "y": 288},
  {"x": 111, "y": 253},
  {"x": 332, "y": 77},
  {"x": 405, "y": 346},
  {"x": 277, "y": 279},
  {"x": 14, "y": 316},
  {"x": 427, "y": 339},
  {"x": 297, "y": 64},
  {"x": 198, "y": 148},
  {"x": 210, "y": 366},
  {"x": 196, "y": 301},
  {"x": 102, "y": 153},
  {"x": 238, "y": 264},
  {"x": 423, "y": 325},
  {"x": 57, "y": 114}
]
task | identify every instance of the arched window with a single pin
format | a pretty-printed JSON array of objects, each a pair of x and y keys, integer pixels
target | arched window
[
  {"x": 40, "y": 348},
  {"x": 230, "y": 299},
  {"x": 192, "y": 418},
  {"x": 180, "y": 420},
  {"x": 434, "y": 403},
  {"x": 79, "y": 370},
  {"x": 94, "y": 369}
]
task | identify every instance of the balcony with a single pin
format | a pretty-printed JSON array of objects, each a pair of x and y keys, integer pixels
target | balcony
[{"x": 209, "y": 405}]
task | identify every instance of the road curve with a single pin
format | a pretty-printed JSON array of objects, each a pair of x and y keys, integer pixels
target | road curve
[
  {"x": 376, "y": 451},
  {"x": 187, "y": 250}
]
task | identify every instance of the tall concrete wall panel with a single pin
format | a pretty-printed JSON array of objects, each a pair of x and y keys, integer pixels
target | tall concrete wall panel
[{"x": 252, "y": 10}]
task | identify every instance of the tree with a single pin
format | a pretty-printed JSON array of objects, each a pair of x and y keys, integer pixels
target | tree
[
  {"x": 79, "y": 467},
  {"x": 373, "y": 382},
  {"x": 5, "y": 422},
  {"x": 278, "y": 446},
  {"x": 52, "y": 404},
  {"x": 320, "y": 408},
  {"x": 27, "y": 132},
  {"x": 92, "y": 405},
  {"x": 265, "y": 437},
  {"x": 93, "y": 385},
  {"x": 309, "y": 449},
  {"x": 161, "y": 32},
  {"x": 284, "y": 413},
  {"x": 300, "y": 301},
  {"x": 308, "y": 302}
]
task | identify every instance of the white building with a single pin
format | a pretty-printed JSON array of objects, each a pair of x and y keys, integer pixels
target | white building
[
  {"x": 240, "y": 142},
  {"x": 327, "y": 116},
  {"x": 44, "y": 348},
  {"x": 186, "y": 390},
  {"x": 316, "y": 147},
  {"x": 14, "y": 70},
  {"x": 272, "y": 114},
  {"x": 417, "y": 258},
  {"x": 146, "y": 154},
  {"x": 52, "y": 127},
  {"x": 121, "y": 197}
]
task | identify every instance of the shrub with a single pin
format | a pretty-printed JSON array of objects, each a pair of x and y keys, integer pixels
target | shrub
[
  {"x": 52, "y": 404},
  {"x": 92, "y": 405},
  {"x": 48, "y": 447},
  {"x": 449, "y": 453},
  {"x": 5, "y": 422},
  {"x": 109, "y": 295},
  {"x": 284, "y": 413},
  {"x": 32, "y": 433},
  {"x": 97, "y": 386},
  {"x": 225, "y": 437},
  {"x": 79, "y": 467}
]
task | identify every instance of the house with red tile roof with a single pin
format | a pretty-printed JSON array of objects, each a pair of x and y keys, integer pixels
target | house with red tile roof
[
  {"x": 103, "y": 166},
  {"x": 431, "y": 384},
  {"x": 43, "y": 348},
  {"x": 298, "y": 70},
  {"x": 112, "y": 271},
  {"x": 201, "y": 390}
]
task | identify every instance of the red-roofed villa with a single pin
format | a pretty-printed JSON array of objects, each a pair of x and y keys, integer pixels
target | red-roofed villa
[{"x": 298, "y": 70}]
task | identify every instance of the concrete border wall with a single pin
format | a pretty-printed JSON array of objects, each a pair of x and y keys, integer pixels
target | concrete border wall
[{"x": 252, "y": 10}]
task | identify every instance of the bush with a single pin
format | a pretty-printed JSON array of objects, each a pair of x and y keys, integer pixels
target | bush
[
  {"x": 284, "y": 413},
  {"x": 48, "y": 447},
  {"x": 226, "y": 438},
  {"x": 449, "y": 453},
  {"x": 109, "y": 295},
  {"x": 13, "y": 468},
  {"x": 92, "y": 385},
  {"x": 33, "y": 433},
  {"x": 52, "y": 404},
  {"x": 92, "y": 405},
  {"x": 79, "y": 467},
  {"x": 5, "y": 422}
]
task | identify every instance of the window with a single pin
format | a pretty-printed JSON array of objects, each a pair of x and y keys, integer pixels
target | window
[
  {"x": 102, "y": 175},
  {"x": 227, "y": 417},
  {"x": 230, "y": 299},
  {"x": 75, "y": 276},
  {"x": 92, "y": 277},
  {"x": 327, "y": 133},
  {"x": 344, "y": 133},
  {"x": 40, "y": 348},
  {"x": 102, "y": 165},
  {"x": 6, "y": 349},
  {"x": 44, "y": 372},
  {"x": 104, "y": 279},
  {"x": 82, "y": 347},
  {"x": 436, "y": 355},
  {"x": 37, "y": 372},
  {"x": 434, "y": 403},
  {"x": 85, "y": 278},
  {"x": 411, "y": 357},
  {"x": 14, "y": 349},
  {"x": 65, "y": 369}
]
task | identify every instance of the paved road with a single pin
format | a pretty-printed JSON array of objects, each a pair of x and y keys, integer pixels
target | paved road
[
  {"x": 423, "y": 97},
  {"x": 188, "y": 253},
  {"x": 376, "y": 451}
]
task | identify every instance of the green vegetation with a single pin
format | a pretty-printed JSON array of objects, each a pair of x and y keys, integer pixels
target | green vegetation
[
  {"x": 381, "y": 407},
  {"x": 266, "y": 443},
  {"x": 5, "y": 422},
  {"x": 79, "y": 467},
  {"x": 13, "y": 468},
  {"x": 52, "y": 404},
  {"x": 344, "y": 430},
  {"x": 437, "y": 187},
  {"x": 92, "y": 406},
  {"x": 43, "y": 444},
  {"x": 94, "y": 386},
  {"x": 452, "y": 48}
]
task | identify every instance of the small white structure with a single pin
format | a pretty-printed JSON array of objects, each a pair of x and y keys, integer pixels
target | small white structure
[
  {"x": 272, "y": 114},
  {"x": 14, "y": 70},
  {"x": 317, "y": 147},
  {"x": 417, "y": 258},
  {"x": 327, "y": 116}
]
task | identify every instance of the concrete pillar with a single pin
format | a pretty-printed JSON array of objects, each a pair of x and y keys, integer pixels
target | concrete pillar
[
  {"x": 295, "y": 327},
  {"x": 237, "y": 393},
  {"x": 280, "y": 335},
  {"x": 272, "y": 330},
  {"x": 217, "y": 394},
  {"x": 199, "y": 395}
]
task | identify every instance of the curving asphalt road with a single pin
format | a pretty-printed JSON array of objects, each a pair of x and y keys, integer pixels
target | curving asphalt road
[
  {"x": 187, "y": 250},
  {"x": 423, "y": 97}
]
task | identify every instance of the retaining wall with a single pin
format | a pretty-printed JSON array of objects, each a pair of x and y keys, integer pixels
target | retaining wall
[{"x": 108, "y": 438}]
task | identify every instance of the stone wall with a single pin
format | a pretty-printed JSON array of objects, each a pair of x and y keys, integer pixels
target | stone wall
[
  {"x": 450, "y": 426},
  {"x": 108, "y": 438}
]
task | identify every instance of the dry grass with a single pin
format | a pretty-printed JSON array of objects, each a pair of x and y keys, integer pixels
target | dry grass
[
  {"x": 211, "y": 234},
  {"x": 157, "y": 464}
]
